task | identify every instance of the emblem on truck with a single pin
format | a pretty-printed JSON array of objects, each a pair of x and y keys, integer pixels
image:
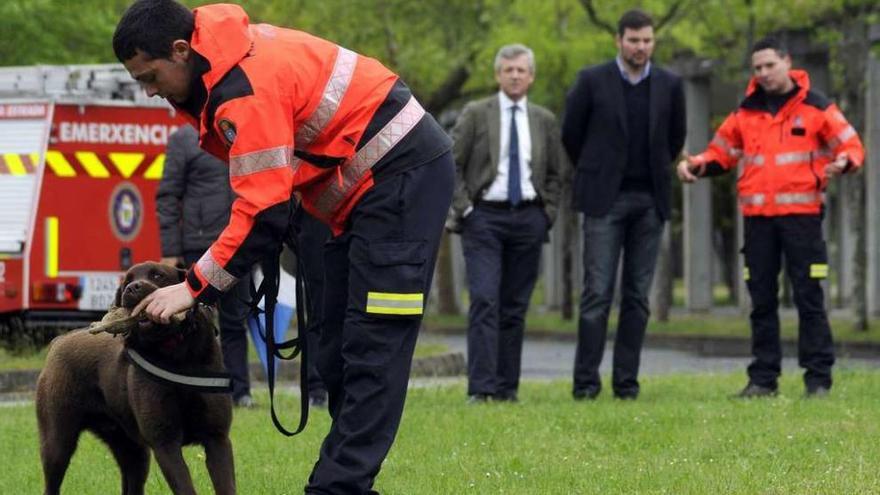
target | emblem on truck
[{"x": 126, "y": 211}]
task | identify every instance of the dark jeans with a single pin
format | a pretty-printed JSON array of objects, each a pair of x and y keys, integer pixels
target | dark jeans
[
  {"x": 233, "y": 308},
  {"x": 799, "y": 238},
  {"x": 502, "y": 249},
  {"x": 372, "y": 271},
  {"x": 633, "y": 227}
]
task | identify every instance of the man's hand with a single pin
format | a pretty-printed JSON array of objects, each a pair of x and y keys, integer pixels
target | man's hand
[
  {"x": 165, "y": 302},
  {"x": 837, "y": 166},
  {"x": 174, "y": 261},
  {"x": 685, "y": 169}
]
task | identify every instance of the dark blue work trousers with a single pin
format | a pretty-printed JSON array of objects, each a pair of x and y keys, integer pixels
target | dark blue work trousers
[
  {"x": 631, "y": 229},
  {"x": 502, "y": 250},
  {"x": 365, "y": 352},
  {"x": 312, "y": 235},
  {"x": 799, "y": 238}
]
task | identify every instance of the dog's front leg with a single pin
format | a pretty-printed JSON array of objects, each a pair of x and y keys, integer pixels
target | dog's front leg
[
  {"x": 221, "y": 467},
  {"x": 170, "y": 460}
]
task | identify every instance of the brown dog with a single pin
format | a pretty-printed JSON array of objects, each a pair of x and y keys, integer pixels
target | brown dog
[{"x": 90, "y": 382}]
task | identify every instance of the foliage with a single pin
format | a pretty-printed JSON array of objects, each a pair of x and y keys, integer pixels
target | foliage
[
  {"x": 432, "y": 42},
  {"x": 684, "y": 435}
]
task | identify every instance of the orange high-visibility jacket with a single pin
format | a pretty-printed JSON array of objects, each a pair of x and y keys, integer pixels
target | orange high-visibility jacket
[
  {"x": 783, "y": 156},
  {"x": 287, "y": 111}
]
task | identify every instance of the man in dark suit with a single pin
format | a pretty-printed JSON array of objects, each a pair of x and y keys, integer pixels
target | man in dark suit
[
  {"x": 507, "y": 156},
  {"x": 624, "y": 125}
]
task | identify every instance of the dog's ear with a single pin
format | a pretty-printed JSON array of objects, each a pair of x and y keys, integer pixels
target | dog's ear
[{"x": 117, "y": 299}]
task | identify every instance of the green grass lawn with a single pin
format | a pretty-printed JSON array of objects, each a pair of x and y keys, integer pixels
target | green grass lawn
[
  {"x": 683, "y": 436},
  {"x": 34, "y": 360}
]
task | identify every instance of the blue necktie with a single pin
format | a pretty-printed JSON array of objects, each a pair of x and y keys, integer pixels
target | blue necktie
[{"x": 514, "y": 190}]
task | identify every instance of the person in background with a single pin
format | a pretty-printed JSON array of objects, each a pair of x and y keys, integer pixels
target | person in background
[
  {"x": 623, "y": 126},
  {"x": 508, "y": 158},
  {"x": 193, "y": 203},
  {"x": 789, "y": 140}
]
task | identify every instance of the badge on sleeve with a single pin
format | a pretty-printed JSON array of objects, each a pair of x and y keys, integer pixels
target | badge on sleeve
[{"x": 227, "y": 129}]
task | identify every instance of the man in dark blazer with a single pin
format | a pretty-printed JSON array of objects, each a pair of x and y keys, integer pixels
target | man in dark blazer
[
  {"x": 508, "y": 156},
  {"x": 624, "y": 125}
]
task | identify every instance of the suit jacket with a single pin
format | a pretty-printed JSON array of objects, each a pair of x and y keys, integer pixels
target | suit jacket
[
  {"x": 594, "y": 132},
  {"x": 476, "y": 137}
]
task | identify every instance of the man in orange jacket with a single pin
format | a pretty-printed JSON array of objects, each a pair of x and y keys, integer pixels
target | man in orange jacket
[
  {"x": 298, "y": 117},
  {"x": 789, "y": 140}
]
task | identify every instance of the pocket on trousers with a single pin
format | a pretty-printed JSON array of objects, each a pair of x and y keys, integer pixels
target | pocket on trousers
[{"x": 395, "y": 279}]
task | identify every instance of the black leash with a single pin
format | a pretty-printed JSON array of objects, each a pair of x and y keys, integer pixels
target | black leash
[{"x": 268, "y": 292}]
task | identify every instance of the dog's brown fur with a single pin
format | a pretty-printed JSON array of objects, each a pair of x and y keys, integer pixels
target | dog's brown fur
[{"x": 88, "y": 383}]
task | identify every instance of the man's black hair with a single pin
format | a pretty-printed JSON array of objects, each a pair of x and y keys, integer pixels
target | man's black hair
[
  {"x": 634, "y": 19},
  {"x": 152, "y": 26},
  {"x": 770, "y": 43}
]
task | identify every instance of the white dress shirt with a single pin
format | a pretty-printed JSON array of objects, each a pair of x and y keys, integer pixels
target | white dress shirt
[{"x": 498, "y": 190}]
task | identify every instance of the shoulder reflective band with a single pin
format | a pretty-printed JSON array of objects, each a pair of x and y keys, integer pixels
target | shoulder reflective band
[
  {"x": 386, "y": 303},
  {"x": 206, "y": 382},
  {"x": 819, "y": 270}
]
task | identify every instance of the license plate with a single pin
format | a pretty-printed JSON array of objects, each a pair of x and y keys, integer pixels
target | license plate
[{"x": 99, "y": 291}]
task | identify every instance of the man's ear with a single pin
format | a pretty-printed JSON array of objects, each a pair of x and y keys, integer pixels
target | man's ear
[{"x": 180, "y": 50}]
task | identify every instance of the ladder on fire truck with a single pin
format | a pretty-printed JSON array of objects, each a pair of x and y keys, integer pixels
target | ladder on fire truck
[{"x": 73, "y": 82}]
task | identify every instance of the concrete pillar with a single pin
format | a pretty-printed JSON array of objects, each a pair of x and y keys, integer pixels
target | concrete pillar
[
  {"x": 697, "y": 197},
  {"x": 459, "y": 275},
  {"x": 551, "y": 263},
  {"x": 872, "y": 171}
]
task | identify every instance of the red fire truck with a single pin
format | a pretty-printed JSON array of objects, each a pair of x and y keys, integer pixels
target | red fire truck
[{"x": 81, "y": 154}]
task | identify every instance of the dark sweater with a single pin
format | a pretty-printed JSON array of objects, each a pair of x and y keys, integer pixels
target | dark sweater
[{"x": 637, "y": 99}]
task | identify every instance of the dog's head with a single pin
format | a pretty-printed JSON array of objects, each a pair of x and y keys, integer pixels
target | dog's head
[{"x": 142, "y": 279}]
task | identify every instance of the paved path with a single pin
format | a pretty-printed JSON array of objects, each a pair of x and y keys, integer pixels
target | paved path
[{"x": 543, "y": 359}]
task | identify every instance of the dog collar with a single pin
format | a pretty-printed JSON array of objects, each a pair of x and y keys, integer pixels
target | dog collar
[{"x": 210, "y": 382}]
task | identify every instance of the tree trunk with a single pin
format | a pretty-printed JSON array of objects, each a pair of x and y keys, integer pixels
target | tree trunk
[{"x": 446, "y": 301}]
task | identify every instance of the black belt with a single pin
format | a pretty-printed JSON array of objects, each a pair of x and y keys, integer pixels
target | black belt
[{"x": 506, "y": 205}]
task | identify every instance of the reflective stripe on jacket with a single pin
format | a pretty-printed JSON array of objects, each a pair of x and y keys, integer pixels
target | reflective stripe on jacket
[
  {"x": 782, "y": 157},
  {"x": 288, "y": 111}
]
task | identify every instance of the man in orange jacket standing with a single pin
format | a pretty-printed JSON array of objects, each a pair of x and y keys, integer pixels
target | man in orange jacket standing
[
  {"x": 789, "y": 140},
  {"x": 298, "y": 117}
]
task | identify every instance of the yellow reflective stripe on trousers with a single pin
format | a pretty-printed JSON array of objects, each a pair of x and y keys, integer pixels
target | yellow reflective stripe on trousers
[
  {"x": 819, "y": 270},
  {"x": 389, "y": 303}
]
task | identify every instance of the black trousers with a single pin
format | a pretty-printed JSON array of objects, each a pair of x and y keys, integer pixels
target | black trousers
[
  {"x": 377, "y": 276},
  {"x": 233, "y": 308},
  {"x": 799, "y": 238},
  {"x": 312, "y": 235},
  {"x": 502, "y": 250}
]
